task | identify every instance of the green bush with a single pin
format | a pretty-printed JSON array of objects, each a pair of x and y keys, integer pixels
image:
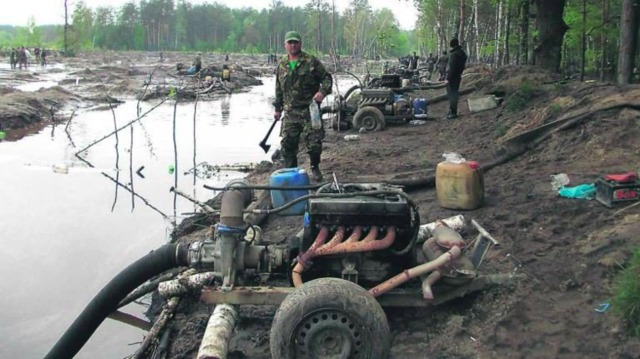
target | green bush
[
  {"x": 626, "y": 302},
  {"x": 520, "y": 99},
  {"x": 554, "y": 108},
  {"x": 501, "y": 130}
]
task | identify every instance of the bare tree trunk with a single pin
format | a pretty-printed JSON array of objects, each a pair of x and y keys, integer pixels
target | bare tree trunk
[
  {"x": 476, "y": 30},
  {"x": 333, "y": 28},
  {"x": 498, "y": 50},
  {"x": 461, "y": 28},
  {"x": 507, "y": 35},
  {"x": 66, "y": 28},
  {"x": 318, "y": 29},
  {"x": 583, "y": 55},
  {"x": 603, "y": 40},
  {"x": 442, "y": 39},
  {"x": 524, "y": 32},
  {"x": 628, "y": 41},
  {"x": 551, "y": 30}
]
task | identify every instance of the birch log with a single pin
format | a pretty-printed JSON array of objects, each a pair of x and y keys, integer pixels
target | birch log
[
  {"x": 182, "y": 286},
  {"x": 215, "y": 342}
]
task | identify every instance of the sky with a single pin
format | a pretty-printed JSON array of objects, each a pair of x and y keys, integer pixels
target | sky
[{"x": 52, "y": 11}]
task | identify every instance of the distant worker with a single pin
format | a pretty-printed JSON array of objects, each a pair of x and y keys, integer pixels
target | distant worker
[
  {"x": 226, "y": 73},
  {"x": 413, "y": 61},
  {"x": 22, "y": 57},
  {"x": 43, "y": 57},
  {"x": 300, "y": 79},
  {"x": 13, "y": 58},
  {"x": 431, "y": 64},
  {"x": 441, "y": 64},
  {"x": 197, "y": 63},
  {"x": 455, "y": 67}
]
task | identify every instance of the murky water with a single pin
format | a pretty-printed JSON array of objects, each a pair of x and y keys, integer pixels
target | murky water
[{"x": 67, "y": 229}]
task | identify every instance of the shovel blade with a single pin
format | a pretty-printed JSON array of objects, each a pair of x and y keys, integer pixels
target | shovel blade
[{"x": 265, "y": 147}]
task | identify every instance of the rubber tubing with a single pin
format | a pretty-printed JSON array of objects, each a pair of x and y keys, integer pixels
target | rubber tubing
[{"x": 106, "y": 301}]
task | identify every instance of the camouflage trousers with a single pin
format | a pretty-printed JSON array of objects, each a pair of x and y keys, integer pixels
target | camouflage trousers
[{"x": 294, "y": 127}]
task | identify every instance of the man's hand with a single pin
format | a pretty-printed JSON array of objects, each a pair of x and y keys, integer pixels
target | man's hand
[
  {"x": 318, "y": 97},
  {"x": 446, "y": 81},
  {"x": 277, "y": 115}
]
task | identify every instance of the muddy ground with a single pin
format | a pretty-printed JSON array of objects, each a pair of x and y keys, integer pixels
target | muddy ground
[
  {"x": 570, "y": 249},
  {"x": 100, "y": 80}
]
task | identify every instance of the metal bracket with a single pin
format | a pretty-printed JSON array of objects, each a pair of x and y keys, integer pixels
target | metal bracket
[{"x": 483, "y": 242}]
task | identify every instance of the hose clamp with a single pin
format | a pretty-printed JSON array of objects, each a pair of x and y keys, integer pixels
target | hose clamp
[
  {"x": 195, "y": 253},
  {"x": 221, "y": 228}
]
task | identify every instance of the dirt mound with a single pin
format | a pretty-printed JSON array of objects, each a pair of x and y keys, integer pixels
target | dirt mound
[
  {"x": 19, "y": 109},
  {"x": 569, "y": 249}
]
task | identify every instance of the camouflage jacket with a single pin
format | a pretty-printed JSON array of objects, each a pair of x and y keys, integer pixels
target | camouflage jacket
[{"x": 295, "y": 88}]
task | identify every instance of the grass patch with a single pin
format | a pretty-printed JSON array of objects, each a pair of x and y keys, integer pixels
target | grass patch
[
  {"x": 555, "y": 108},
  {"x": 520, "y": 99},
  {"x": 501, "y": 130},
  {"x": 626, "y": 302}
]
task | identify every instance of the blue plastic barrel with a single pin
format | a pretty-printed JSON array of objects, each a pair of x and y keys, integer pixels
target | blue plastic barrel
[
  {"x": 289, "y": 177},
  {"x": 420, "y": 108}
]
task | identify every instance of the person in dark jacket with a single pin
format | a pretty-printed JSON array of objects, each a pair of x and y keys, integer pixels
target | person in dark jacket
[
  {"x": 413, "y": 61},
  {"x": 455, "y": 67}
]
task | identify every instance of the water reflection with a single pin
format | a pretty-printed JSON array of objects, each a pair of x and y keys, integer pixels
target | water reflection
[
  {"x": 225, "y": 109},
  {"x": 70, "y": 226}
]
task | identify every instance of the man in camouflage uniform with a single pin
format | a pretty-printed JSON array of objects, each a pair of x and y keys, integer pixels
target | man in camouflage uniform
[{"x": 300, "y": 79}]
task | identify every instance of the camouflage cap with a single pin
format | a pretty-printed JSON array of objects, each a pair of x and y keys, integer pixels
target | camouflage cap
[{"x": 292, "y": 35}]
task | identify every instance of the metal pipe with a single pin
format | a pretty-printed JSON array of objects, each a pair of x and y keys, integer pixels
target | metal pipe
[
  {"x": 355, "y": 235},
  {"x": 373, "y": 234},
  {"x": 367, "y": 244},
  {"x": 304, "y": 258},
  {"x": 337, "y": 239},
  {"x": 408, "y": 274},
  {"x": 364, "y": 245},
  {"x": 232, "y": 208},
  {"x": 428, "y": 282}
]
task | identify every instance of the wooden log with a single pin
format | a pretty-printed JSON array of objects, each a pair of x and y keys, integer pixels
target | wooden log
[
  {"x": 130, "y": 319},
  {"x": 158, "y": 325},
  {"x": 185, "y": 285},
  {"x": 152, "y": 285},
  {"x": 215, "y": 342}
]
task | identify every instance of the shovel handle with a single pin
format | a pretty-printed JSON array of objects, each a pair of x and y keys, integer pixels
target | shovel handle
[{"x": 263, "y": 143}]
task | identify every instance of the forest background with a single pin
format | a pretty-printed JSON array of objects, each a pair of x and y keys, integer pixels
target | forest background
[{"x": 497, "y": 32}]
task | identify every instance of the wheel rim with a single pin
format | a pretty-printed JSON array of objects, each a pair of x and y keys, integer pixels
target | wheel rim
[
  {"x": 328, "y": 334},
  {"x": 369, "y": 123}
]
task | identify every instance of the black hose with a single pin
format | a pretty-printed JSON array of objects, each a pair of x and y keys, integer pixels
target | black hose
[
  {"x": 350, "y": 90},
  {"x": 414, "y": 234},
  {"x": 106, "y": 301},
  {"x": 275, "y": 188}
]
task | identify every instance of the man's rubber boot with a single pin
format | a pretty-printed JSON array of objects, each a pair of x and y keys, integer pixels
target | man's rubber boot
[
  {"x": 315, "y": 167},
  {"x": 317, "y": 174},
  {"x": 453, "y": 113},
  {"x": 290, "y": 161}
]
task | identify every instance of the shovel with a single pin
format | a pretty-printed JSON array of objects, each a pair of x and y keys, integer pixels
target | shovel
[{"x": 263, "y": 143}]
